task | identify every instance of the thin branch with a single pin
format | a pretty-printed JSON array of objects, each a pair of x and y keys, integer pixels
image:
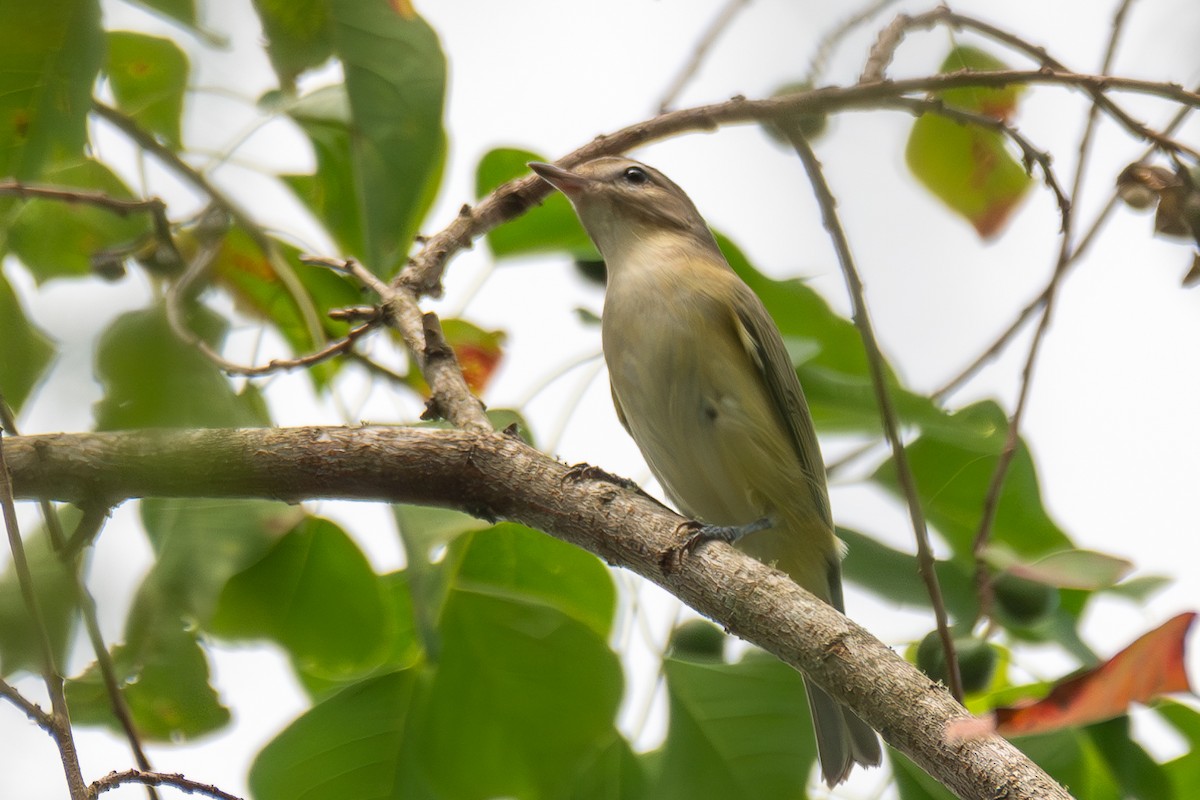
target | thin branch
[
  {"x": 450, "y": 397},
  {"x": 60, "y": 717},
  {"x": 87, "y": 530},
  {"x": 114, "y": 780},
  {"x": 883, "y": 397},
  {"x": 31, "y": 709},
  {"x": 117, "y": 205},
  {"x": 1085, "y": 242},
  {"x": 1066, "y": 256},
  {"x": 423, "y": 273},
  {"x": 892, "y": 36},
  {"x": 837, "y": 33},
  {"x": 700, "y": 52},
  {"x": 68, "y": 552},
  {"x": 500, "y": 477}
]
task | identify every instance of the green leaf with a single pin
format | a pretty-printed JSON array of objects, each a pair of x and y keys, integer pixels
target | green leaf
[
  {"x": 1065, "y": 569},
  {"x": 1141, "y": 588},
  {"x": 330, "y": 193},
  {"x": 199, "y": 545},
  {"x": 542, "y": 569},
  {"x": 1136, "y": 772},
  {"x": 54, "y": 238},
  {"x": 893, "y": 575},
  {"x": 614, "y": 772},
  {"x": 165, "y": 685},
  {"x": 953, "y": 473},
  {"x": 968, "y": 168},
  {"x": 298, "y": 35},
  {"x": 151, "y": 379},
  {"x": 1184, "y": 771},
  {"x": 550, "y": 227},
  {"x": 519, "y": 630},
  {"x": 395, "y": 82},
  {"x": 53, "y": 585},
  {"x": 347, "y": 746},
  {"x": 148, "y": 76},
  {"x": 25, "y": 350},
  {"x": 525, "y": 623},
  {"x": 735, "y": 730},
  {"x": 1072, "y": 759},
  {"x": 49, "y": 56},
  {"x": 316, "y": 595}
]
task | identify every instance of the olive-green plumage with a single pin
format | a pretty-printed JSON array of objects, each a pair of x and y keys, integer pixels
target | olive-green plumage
[{"x": 702, "y": 381}]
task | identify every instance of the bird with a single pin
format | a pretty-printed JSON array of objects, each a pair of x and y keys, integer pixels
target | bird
[{"x": 702, "y": 381}]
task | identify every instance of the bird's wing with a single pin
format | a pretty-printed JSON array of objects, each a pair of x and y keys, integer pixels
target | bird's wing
[{"x": 766, "y": 349}]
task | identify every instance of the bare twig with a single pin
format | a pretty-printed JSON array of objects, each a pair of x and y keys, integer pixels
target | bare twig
[
  {"x": 450, "y": 397},
  {"x": 68, "y": 550},
  {"x": 117, "y": 205},
  {"x": 707, "y": 40},
  {"x": 94, "y": 516},
  {"x": 893, "y": 35},
  {"x": 60, "y": 717},
  {"x": 423, "y": 274},
  {"x": 31, "y": 709},
  {"x": 837, "y": 33},
  {"x": 883, "y": 397},
  {"x": 1066, "y": 256},
  {"x": 997, "y": 346},
  {"x": 115, "y": 780}
]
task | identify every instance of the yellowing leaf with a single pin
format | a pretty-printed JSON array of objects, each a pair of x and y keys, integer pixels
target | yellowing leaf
[{"x": 969, "y": 169}]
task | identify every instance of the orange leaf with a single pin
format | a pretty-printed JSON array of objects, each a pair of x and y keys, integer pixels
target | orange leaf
[{"x": 1151, "y": 666}]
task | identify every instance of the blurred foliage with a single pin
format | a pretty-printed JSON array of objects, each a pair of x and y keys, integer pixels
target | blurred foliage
[{"x": 493, "y": 647}]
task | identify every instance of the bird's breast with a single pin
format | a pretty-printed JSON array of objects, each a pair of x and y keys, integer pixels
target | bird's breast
[{"x": 693, "y": 399}]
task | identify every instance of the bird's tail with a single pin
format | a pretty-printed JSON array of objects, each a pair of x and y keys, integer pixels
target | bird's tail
[{"x": 843, "y": 739}]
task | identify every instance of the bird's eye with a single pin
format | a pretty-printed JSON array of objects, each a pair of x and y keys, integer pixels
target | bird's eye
[{"x": 635, "y": 176}]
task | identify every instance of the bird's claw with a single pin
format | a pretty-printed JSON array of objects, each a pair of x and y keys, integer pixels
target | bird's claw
[{"x": 697, "y": 533}]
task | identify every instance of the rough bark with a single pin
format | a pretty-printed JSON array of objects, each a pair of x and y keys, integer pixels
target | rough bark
[{"x": 500, "y": 477}]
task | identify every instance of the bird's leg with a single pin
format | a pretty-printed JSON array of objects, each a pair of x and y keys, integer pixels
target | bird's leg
[{"x": 702, "y": 533}]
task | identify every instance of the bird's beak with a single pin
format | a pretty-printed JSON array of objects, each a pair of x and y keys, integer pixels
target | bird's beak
[{"x": 569, "y": 183}]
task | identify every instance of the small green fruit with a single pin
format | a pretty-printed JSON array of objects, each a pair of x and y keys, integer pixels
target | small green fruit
[
  {"x": 698, "y": 640},
  {"x": 1023, "y": 601},
  {"x": 976, "y": 661}
]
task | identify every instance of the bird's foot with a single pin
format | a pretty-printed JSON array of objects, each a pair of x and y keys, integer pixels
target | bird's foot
[{"x": 702, "y": 533}]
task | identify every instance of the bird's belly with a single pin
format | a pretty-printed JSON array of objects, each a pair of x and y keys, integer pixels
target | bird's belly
[{"x": 701, "y": 418}]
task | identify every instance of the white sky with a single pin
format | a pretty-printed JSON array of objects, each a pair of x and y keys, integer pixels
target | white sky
[{"x": 1112, "y": 421}]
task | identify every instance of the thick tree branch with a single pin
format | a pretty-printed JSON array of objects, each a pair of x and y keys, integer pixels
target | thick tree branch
[{"x": 500, "y": 477}]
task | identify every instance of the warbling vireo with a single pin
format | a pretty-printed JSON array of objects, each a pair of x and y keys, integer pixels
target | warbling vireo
[{"x": 702, "y": 381}]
